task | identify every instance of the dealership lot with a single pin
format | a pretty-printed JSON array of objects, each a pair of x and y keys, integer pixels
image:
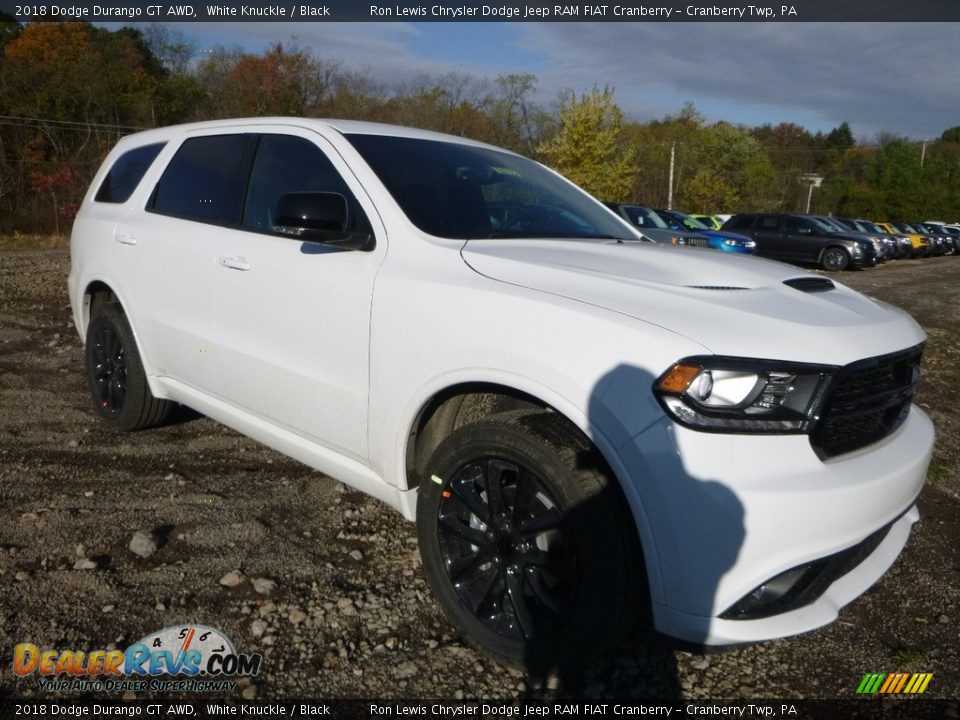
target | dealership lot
[{"x": 349, "y": 615}]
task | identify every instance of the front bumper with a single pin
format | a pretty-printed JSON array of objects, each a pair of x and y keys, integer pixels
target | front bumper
[
  {"x": 725, "y": 513},
  {"x": 864, "y": 261}
]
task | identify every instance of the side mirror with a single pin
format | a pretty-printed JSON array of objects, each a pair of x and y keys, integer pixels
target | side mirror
[{"x": 320, "y": 217}]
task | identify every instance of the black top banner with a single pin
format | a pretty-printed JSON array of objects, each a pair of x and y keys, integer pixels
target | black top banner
[
  {"x": 561, "y": 709},
  {"x": 476, "y": 11}
]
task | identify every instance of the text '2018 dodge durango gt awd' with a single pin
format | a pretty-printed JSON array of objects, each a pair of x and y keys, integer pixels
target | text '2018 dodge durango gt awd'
[{"x": 582, "y": 424}]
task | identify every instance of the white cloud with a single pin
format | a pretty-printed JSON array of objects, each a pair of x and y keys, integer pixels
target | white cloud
[
  {"x": 899, "y": 77},
  {"x": 878, "y": 76}
]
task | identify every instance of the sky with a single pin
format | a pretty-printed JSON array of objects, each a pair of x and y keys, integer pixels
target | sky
[{"x": 901, "y": 78}]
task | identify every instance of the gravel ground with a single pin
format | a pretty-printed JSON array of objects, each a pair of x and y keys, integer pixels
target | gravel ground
[{"x": 346, "y": 612}]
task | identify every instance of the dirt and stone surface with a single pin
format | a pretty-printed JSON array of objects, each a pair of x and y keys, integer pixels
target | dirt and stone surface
[{"x": 106, "y": 538}]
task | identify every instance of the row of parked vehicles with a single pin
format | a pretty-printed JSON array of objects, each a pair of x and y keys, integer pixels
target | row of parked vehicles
[{"x": 828, "y": 242}]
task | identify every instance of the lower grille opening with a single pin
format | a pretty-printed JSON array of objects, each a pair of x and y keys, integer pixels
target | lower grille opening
[{"x": 802, "y": 585}]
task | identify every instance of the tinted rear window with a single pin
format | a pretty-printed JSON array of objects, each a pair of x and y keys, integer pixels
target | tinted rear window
[
  {"x": 126, "y": 173},
  {"x": 203, "y": 182},
  {"x": 739, "y": 222}
]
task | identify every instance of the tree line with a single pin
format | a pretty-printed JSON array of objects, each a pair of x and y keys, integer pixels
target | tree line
[{"x": 69, "y": 91}]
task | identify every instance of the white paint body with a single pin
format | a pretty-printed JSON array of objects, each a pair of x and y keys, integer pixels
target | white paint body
[{"x": 330, "y": 357}]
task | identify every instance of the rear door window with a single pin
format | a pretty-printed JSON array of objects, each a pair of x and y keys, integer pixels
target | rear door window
[
  {"x": 203, "y": 180},
  {"x": 798, "y": 226}
]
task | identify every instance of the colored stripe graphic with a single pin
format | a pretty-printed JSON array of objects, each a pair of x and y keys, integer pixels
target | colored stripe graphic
[
  {"x": 894, "y": 683},
  {"x": 871, "y": 683}
]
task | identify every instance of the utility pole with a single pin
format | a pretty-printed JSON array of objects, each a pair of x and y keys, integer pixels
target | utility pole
[
  {"x": 923, "y": 152},
  {"x": 813, "y": 181},
  {"x": 673, "y": 150}
]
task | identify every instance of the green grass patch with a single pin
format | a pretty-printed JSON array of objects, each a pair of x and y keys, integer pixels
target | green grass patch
[
  {"x": 938, "y": 474},
  {"x": 19, "y": 241},
  {"x": 907, "y": 657}
]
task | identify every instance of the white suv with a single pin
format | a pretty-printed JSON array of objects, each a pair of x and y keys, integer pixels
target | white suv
[{"x": 582, "y": 424}]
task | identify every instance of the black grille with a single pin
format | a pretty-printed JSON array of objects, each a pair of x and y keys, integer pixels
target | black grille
[
  {"x": 867, "y": 401},
  {"x": 694, "y": 242}
]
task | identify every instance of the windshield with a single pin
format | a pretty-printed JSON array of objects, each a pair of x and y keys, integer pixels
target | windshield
[
  {"x": 644, "y": 218},
  {"x": 823, "y": 224},
  {"x": 690, "y": 222},
  {"x": 461, "y": 191}
]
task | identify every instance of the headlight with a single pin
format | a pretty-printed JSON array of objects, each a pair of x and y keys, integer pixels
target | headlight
[{"x": 739, "y": 395}]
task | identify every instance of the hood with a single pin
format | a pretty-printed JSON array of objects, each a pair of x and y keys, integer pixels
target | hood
[
  {"x": 727, "y": 235},
  {"x": 849, "y": 236},
  {"x": 730, "y": 304}
]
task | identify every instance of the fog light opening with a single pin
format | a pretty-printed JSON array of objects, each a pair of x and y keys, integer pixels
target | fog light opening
[{"x": 776, "y": 595}]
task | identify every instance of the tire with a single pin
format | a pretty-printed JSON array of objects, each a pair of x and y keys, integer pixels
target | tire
[
  {"x": 115, "y": 376},
  {"x": 834, "y": 259},
  {"x": 527, "y": 541}
]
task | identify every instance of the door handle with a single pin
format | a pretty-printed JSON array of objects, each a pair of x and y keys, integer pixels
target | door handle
[
  {"x": 235, "y": 263},
  {"x": 125, "y": 238}
]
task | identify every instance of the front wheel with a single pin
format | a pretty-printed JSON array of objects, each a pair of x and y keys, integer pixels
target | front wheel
[
  {"x": 527, "y": 542},
  {"x": 115, "y": 374},
  {"x": 834, "y": 259}
]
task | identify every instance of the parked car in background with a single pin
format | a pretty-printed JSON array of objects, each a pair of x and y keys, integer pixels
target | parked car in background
[
  {"x": 935, "y": 247},
  {"x": 894, "y": 247},
  {"x": 954, "y": 234},
  {"x": 903, "y": 243},
  {"x": 920, "y": 244},
  {"x": 719, "y": 239},
  {"x": 710, "y": 221},
  {"x": 804, "y": 240},
  {"x": 653, "y": 227},
  {"x": 949, "y": 236},
  {"x": 884, "y": 251}
]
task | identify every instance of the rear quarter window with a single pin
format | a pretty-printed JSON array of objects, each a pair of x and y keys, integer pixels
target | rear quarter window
[{"x": 126, "y": 174}]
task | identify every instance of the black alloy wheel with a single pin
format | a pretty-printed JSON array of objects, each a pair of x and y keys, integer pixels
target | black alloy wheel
[
  {"x": 506, "y": 548},
  {"x": 835, "y": 259},
  {"x": 109, "y": 370},
  {"x": 527, "y": 541},
  {"x": 118, "y": 385}
]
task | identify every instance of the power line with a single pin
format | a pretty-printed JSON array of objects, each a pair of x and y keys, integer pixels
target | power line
[{"x": 76, "y": 125}]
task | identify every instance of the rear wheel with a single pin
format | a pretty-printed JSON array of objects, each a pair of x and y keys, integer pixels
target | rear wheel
[
  {"x": 834, "y": 259},
  {"x": 527, "y": 542},
  {"x": 115, "y": 374}
]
